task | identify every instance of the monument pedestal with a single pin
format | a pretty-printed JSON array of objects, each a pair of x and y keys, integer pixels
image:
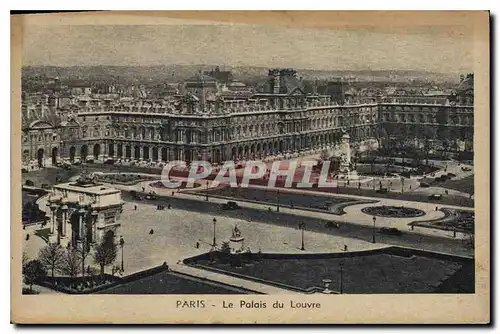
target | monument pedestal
[
  {"x": 345, "y": 167},
  {"x": 236, "y": 242}
]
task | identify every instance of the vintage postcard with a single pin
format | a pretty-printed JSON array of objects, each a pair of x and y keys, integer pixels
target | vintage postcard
[{"x": 251, "y": 167}]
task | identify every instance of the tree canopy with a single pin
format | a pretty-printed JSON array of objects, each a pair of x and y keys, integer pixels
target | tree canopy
[{"x": 33, "y": 272}]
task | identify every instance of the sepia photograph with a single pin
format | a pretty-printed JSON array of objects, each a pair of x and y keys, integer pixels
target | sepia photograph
[{"x": 231, "y": 162}]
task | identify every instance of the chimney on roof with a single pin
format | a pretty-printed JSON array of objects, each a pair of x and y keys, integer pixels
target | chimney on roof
[{"x": 275, "y": 75}]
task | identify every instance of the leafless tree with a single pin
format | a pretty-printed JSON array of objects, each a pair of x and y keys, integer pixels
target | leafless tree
[
  {"x": 105, "y": 252},
  {"x": 51, "y": 256},
  {"x": 71, "y": 262}
]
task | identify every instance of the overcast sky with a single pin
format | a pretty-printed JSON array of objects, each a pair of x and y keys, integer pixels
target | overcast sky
[{"x": 433, "y": 49}]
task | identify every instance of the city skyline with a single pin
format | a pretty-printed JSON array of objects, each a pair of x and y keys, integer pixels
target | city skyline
[{"x": 446, "y": 50}]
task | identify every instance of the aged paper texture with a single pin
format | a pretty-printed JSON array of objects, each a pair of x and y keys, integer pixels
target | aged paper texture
[{"x": 250, "y": 167}]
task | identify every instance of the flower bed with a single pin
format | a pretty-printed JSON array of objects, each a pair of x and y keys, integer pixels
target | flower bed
[
  {"x": 126, "y": 179},
  {"x": 160, "y": 184},
  {"x": 453, "y": 220},
  {"x": 393, "y": 211}
]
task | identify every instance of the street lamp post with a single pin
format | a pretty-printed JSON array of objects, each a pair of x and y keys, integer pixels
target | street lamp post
[
  {"x": 374, "y": 220},
  {"x": 302, "y": 227},
  {"x": 278, "y": 201},
  {"x": 122, "y": 242},
  {"x": 213, "y": 243},
  {"x": 206, "y": 193},
  {"x": 402, "y": 184}
]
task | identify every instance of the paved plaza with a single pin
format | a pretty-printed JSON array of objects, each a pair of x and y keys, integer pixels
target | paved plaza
[{"x": 187, "y": 229}]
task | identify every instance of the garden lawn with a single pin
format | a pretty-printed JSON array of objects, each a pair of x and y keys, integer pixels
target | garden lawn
[{"x": 377, "y": 273}]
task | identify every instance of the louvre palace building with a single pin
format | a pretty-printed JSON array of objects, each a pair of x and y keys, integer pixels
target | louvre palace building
[{"x": 205, "y": 118}]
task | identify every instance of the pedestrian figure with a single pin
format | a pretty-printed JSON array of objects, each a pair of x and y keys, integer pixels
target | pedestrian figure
[
  {"x": 345, "y": 248},
  {"x": 151, "y": 231},
  {"x": 454, "y": 234},
  {"x": 135, "y": 207},
  {"x": 446, "y": 192},
  {"x": 28, "y": 236},
  {"x": 269, "y": 209},
  {"x": 436, "y": 208},
  {"x": 143, "y": 189},
  {"x": 410, "y": 186},
  {"x": 197, "y": 245},
  {"x": 169, "y": 206},
  {"x": 173, "y": 193},
  {"x": 412, "y": 227}
]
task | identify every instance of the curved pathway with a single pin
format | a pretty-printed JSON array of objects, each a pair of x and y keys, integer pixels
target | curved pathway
[{"x": 352, "y": 214}]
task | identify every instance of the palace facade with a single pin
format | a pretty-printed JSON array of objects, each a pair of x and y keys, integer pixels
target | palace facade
[{"x": 275, "y": 119}]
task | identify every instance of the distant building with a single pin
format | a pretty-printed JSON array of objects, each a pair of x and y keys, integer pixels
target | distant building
[
  {"x": 80, "y": 88},
  {"x": 281, "y": 81},
  {"x": 335, "y": 89},
  {"x": 222, "y": 76},
  {"x": 220, "y": 121}
]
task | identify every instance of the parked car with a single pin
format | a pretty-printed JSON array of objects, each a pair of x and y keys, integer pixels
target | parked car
[
  {"x": 424, "y": 185},
  {"x": 151, "y": 197},
  {"x": 390, "y": 231},
  {"x": 45, "y": 186},
  {"x": 451, "y": 175},
  {"x": 436, "y": 197},
  {"x": 109, "y": 162},
  {"x": 382, "y": 190},
  {"x": 230, "y": 205},
  {"x": 466, "y": 169}
]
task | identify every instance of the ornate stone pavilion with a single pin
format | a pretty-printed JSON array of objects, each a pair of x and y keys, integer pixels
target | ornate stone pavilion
[{"x": 83, "y": 212}]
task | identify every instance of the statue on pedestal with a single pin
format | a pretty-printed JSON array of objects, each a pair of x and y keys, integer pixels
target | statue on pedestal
[
  {"x": 236, "y": 241},
  {"x": 346, "y": 166}
]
